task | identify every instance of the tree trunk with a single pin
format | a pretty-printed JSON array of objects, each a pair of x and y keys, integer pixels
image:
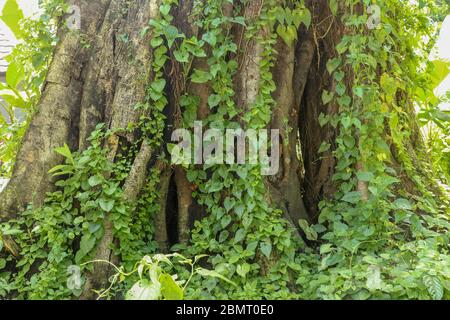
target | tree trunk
[{"x": 100, "y": 73}]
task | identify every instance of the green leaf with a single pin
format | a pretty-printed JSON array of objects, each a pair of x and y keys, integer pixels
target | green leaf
[
  {"x": 434, "y": 287},
  {"x": 214, "y": 100},
  {"x": 327, "y": 97},
  {"x": 225, "y": 221},
  {"x": 95, "y": 181},
  {"x": 210, "y": 38},
  {"x": 344, "y": 101},
  {"x": 229, "y": 203},
  {"x": 156, "y": 42},
  {"x": 106, "y": 204},
  {"x": 2, "y": 263},
  {"x": 243, "y": 269},
  {"x": 402, "y": 204},
  {"x": 323, "y": 120},
  {"x": 164, "y": 9},
  {"x": 87, "y": 243},
  {"x": 240, "y": 235},
  {"x": 365, "y": 176},
  {"x": 326, "y": 248},
  {"x": 324, "y": 147},
  {"x": 214, "y": 274},
  {"x": 306, "y": 18},
  {"x": 333, "y": 7},
  {"x": 169, "y": 288},
  {"x": 11, "y": 16},
  {"x": 181, "y": 56},
  {"x": 349, "y": 141},
  {"x": 65, "y": 151},
  {"x": 287, "y": 33},
  {"x": 61, "y": 169},
  {"x": 352, "y": 197},
  {"x": 310, "y": 233},
  {"x": 14, "y": 74},
  {"x": 340, "y": 88},
  {"x": 159, "y": 85},
  {"x": 441, "y": 70},
  {"x": 239, "y": 209},
  {"x": 200, "y": 76},
  {"x": 332, "y": 64},
  {"x": 266, "y": 248}
]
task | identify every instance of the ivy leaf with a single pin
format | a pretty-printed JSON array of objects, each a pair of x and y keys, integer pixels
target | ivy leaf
[
  {"x": 95, "y": 181},
  {"x": 156, "y": 42},
  {"x": 181, "y": 56},
  {"x": 326, "y": 248},
  {"x": 332, "y": 64},
  {"x": 106, "y": 204},
  {"x": 323, "y": 120},
  {"x": 324, "y": 147},
  {"x": 344, "y": 101},
  {"x": 200, "y": 76},
  {"x": 287, "y": 33},
  {"x": 192, "y": 175},
  {"x": 243, "y": 269},
  {"x": 352, "y": 197},
  {"x": 310, "y": 233},
  {"x": 306, "y": 18},
  {"x": 87, "y": 243},
  {"x": 349, "y": 141},
  {"x": 327, "y": 97},
  {"x": 223, "y": 236},
  {"x": 210, "y": 38},
  {"x": 225, "y": 221},
  {"x": 239, "y": 236},
  {"x": 229, "y": 203},
  {"x": 365, "y": 176},
  {"x": 159, "y": 85},
  {"x": 239, "y": 209},
  {"x": 214, "y": 100},
  {"x": 164, "y": 9},
  {"x": 266, "y": 248},
  {"x": 402, "y": 204},
  {"x": 434, "y": 287},
  {"x": 341, "y": 88}
]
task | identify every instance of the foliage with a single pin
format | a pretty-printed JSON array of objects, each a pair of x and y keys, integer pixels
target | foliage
[
  {"x": 27, "y": 68},
  {"x": 155, "y": 283},
  {"x": 379, "y": 245},
  {"x": 382, "y": 235}
]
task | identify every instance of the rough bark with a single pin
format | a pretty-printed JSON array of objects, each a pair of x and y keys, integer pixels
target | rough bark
[
  {"x": 98, "y": 75},
  {"x": 56, "y": 119}
]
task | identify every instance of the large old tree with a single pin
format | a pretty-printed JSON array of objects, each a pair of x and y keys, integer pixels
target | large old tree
[{"x": 338, "y": 91}]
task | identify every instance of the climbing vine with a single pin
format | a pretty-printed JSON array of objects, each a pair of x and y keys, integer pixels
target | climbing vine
[{"x": 382, "y": 234}]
